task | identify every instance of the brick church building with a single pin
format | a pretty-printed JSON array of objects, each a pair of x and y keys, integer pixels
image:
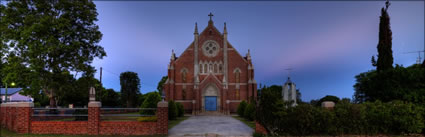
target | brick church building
[{"x": 210, "y": 75}]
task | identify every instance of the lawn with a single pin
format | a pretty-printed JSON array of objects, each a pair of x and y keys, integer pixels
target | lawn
[
  {"x": 247, "y": 122},
  {"x": 6, "y": 133},
  {"x": 173, "y": 123}
]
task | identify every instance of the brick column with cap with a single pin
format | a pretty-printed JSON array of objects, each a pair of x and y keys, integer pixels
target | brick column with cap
[
  {"x": 162, "y": 118},
  {"x": 94, "y": 118}
]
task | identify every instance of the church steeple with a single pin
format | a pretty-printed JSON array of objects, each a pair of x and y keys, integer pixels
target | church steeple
[{"x": 210, "y": 22}]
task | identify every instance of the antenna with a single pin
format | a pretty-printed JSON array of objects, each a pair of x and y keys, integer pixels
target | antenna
[
  {"x": 289, "y": 69},
  {"x": 419, "y": 59}
]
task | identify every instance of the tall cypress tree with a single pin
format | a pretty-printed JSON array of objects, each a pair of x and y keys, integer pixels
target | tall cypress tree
[{"x": 385, "y": 53}]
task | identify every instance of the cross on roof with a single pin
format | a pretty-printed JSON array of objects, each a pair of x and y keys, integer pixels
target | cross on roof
[{"x": 210, "y": 15}]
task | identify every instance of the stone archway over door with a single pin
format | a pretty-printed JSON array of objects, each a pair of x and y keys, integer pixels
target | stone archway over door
[{"x": 209, "y": 93}]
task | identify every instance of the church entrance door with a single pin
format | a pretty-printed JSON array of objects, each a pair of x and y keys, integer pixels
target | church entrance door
[{"x": 211, "y": 103}]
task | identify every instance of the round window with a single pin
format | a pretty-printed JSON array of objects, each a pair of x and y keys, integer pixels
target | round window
[{"x": 210, "y": 48}]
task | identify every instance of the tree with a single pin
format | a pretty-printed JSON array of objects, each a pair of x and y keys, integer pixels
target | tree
[
  {"x": 50, "y": 39},
  {"x": 151, "y": 101},
  {"x": 241, "y": 108},
  {"x": 180, "y": 109},
  {"x": 161, "y": 84},
  {"x": 130, "y": 88},
  {"x": 172, "y": 110},
  {"x": 400, "y": 83},
  {"x": 385, "y": 53},
  {"x": 110, "y": 98}
]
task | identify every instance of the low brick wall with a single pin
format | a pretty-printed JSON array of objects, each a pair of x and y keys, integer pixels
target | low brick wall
[
  {"x": 59, "y": 127},
  {"x": 17, "y": 117},
  {"x": 127, "y": 128}
]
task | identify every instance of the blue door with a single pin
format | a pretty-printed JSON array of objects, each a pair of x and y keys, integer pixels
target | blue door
[{"x": 210, "y": 103}]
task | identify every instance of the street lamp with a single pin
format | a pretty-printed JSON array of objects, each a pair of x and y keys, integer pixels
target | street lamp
[{"x": 5, "y": 95}]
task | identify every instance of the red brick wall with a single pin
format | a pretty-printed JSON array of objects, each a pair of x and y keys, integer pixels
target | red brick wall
[
  {"x": 127, "y": 128},
  {"x": 162, "y": 120},
  {"x": 93, "y": 120},
  {"x": 259, "y": 128},
  {"x": 18, "y": 119},
  {"x": 23, "y": 119},
  {"x": 59, "y": 127}
]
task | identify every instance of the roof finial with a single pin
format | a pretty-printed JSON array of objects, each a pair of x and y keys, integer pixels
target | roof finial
[
  {"x": 196, "y": 28},
  {"x": 173, "y": 55},
  {"x": 210, "y": 16},
  {"x": 210, "y": 22},
  {"x": 225, "y": 28}
]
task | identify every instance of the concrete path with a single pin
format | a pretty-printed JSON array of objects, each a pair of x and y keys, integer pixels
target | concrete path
[{"x": 210, "y": 126}]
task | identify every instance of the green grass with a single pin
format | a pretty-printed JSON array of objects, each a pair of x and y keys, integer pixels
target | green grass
[
  {"x": 6, "y": 133},
  {"x": 247, "y": 122},
  {"x": 173, "y": 123}
]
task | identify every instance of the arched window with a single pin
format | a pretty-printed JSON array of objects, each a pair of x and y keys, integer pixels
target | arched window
[
  {"x": 205, "y": 68},
  {"x": 184, "y": 74},
  {"x": 220, "y": 68},
  {"x": 237, "y": 75},
  {"x": 215, "y": 68},
  {"x": 211, "y": 68},
  {"x": 201, "y": 68}
]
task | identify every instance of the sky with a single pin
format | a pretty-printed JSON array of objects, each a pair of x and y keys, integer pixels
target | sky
[{"x": 326, "y": 43}]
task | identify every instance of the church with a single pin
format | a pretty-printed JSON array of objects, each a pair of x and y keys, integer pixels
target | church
[{"x": 210, "y": 75}]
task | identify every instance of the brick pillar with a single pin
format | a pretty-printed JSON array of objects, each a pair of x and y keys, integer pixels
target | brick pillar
[
  {"x": 162, "y": 118},
  {"x": 259, "y": 128},
  {"x": 94, "y": 118},
  {"x": 23, "y": 117}
]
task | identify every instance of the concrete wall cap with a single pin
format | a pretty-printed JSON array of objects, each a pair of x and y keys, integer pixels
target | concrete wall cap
[
  {"x": 18, "y": 104},
  {"x": 163, "y": 104},
  {"x": 95, "y": 104}
]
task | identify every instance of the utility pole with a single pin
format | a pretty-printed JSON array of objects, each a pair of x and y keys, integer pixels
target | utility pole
[
  {"x": 101, "y": 85},
  {"x": 419, "y": 59}
]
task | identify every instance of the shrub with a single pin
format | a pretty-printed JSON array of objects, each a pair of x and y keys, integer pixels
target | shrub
[
  {"x": 180, "y": 109},
  {"x": 407, "y": 118},
  {"x": 172, "y": 110},
  {"x": 250, "y": 111},
  {"x": 241, "y": 108},
  {"x": 147, "y": 119},
  {"x": 151, "y": 101}
]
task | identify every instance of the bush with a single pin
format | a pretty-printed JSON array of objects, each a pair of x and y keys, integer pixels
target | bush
[
  {"x": 172, "y": 110},
  {"x": 250, "y": 111},
  {"x": 147, "y": 119},
  {"x": 151, "y": 101},
  {"x": 370, "y": 118},
  {"x": 241, "y": 108},
  {"x": 180, "y": 109}
]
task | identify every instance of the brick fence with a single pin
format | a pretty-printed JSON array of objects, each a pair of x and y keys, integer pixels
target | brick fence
[{"x": 16, "y": 116}]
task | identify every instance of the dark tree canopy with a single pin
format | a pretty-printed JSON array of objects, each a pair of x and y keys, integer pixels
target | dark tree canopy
[
  {"x": 385, "y": 53},
  {"x": 161, "y": 84},
  {"x": 400, "y": 83},
  {"x": 47, "y": 41},
  {"x": 130, "y": 88}
]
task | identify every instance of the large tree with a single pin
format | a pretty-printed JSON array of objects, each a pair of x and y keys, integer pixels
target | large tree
[
  {"x": 160, "y": 86},
  {"x": 385, "y": 53},
  {"x": 130, "y": 88},
  {"x": 50, "y": 39}
]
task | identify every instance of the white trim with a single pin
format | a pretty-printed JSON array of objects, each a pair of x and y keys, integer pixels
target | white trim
[{"x": 183, "y": 101}]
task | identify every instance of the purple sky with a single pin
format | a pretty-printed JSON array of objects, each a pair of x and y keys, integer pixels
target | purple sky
[{"x": 326, "y": 43}]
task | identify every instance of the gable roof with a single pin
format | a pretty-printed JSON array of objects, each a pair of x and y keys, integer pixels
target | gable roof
[{"x": 10, "y": 91}]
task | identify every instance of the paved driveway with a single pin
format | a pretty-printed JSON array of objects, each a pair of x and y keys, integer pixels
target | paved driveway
[{"x": 211, "y": 126}]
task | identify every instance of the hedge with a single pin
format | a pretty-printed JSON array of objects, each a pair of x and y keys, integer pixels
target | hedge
[{"x": 371, "y": 118}]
